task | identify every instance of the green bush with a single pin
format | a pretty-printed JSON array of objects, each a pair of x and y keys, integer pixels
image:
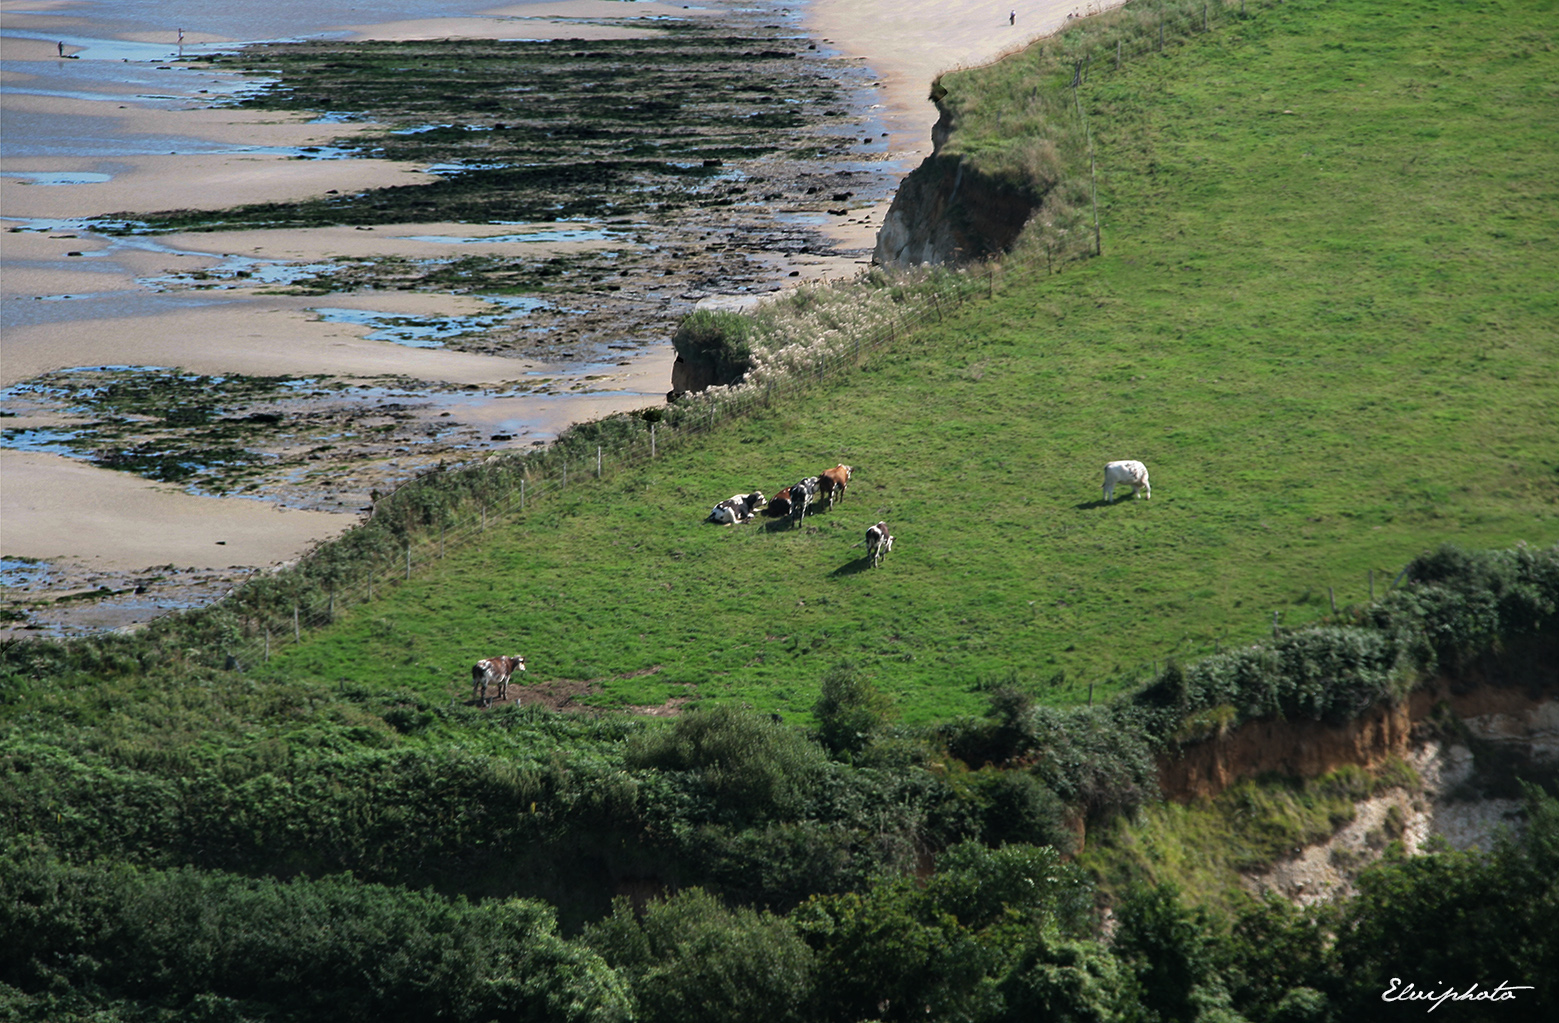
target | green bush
[
  {"x": 850, "y": 711},
  {"x": 1063, "y": 979},
  {"x": 753, "y": 767},
  {"x": 720, "y": 341},
  {"x": 899, "y": 951},
  {"x": 690, "y": 959},
  {"x": 333, "y": 947},
  {"x": 1021, "y": 808}
]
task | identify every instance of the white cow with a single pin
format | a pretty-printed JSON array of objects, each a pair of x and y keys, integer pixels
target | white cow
[
  {"x": 1133, "y": 474},
  {"x": 878, "y": 542}
]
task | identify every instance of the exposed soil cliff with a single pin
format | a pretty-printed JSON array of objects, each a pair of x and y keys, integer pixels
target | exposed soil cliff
[
  {"x": 1504, "y": 690},
  {"x": 1470, "y": 736},
  {"x": 945, "y": 212}
]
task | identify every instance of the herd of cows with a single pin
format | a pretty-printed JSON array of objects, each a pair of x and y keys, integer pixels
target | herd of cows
[{"x": 792, "y": 503}]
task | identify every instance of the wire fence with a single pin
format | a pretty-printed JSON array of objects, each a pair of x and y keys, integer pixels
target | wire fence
[{"x": 275, "y": 607}]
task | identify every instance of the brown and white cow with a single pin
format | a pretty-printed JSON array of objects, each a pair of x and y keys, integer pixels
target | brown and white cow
[
  {"x": 878, "y": 542},
  {"x": 779, "y": 506},
  {"x": 494, "y": 671},
  {"x": 833, "y": 481}
]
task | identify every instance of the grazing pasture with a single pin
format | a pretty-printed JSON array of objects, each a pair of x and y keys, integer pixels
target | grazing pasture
[{"x": 1324, "y": 317}]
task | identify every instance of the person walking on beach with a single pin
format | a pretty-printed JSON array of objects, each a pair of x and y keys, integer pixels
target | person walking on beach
[
  {"x": 1012, "y": 17},
  {"x": 61, "y": 46}
]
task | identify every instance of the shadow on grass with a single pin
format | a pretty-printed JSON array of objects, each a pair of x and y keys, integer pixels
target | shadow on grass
[{"x": 860, "y": 564}]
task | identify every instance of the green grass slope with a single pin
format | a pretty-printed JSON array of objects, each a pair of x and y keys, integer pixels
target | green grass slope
[{"x": 1325, "y": 318}]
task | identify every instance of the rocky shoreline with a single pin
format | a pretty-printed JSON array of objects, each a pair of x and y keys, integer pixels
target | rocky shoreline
[{"x": 768, "y": 149}]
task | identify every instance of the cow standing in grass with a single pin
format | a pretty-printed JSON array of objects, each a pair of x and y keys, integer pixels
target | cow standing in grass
[
  {"x": 878, "y": 542},
  {"x": 494, "y": 671},
  {"x": 1131, "y": 473},
  {"x": 833, "y": 481},
  {"x": 801, "y": 497}
]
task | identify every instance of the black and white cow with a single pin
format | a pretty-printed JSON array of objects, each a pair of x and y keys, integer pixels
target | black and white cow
[
  {"x": 878, "y": 542},
  {"x": 801, "y": 497},
  {"x": 736, "y": 509},
  {"x": 494, "y": 671}
]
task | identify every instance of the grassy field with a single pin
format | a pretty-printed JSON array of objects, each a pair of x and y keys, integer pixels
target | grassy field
[{"x": 1325, "y": 318}]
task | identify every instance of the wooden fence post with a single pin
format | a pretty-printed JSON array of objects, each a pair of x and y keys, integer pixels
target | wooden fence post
[
  {"x": 598, "y": 461},
  {"x": 408, "y": 559},
  {"x": 522, "y": 495},
  {"x": 297, "y": 631}
]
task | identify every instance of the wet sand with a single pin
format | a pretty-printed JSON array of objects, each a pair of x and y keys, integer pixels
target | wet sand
[{"x": 59, "y": 508}]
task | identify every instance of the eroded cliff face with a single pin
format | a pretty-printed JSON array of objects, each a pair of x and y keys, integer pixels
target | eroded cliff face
[
  {"x": 1509, "y": 700},
  {"x": 1471, "y": 737},
  {"x": 945, "y": 212}
]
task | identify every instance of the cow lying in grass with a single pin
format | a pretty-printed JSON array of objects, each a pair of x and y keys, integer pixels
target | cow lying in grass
[
  {"x": 833, "y": 481},
  {"x": 779, "y": 507},
  {"x": 878, "y": 542},
  {"x": 736, "y": 509},
  {"x": 494, "y": 671},
  {"x": 1130, "y": 473}
]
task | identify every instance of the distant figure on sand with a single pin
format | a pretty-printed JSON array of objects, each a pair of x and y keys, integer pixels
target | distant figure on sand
[
  {"x": 61, "y": 45},
  {"x": 1012, "y": 17}
]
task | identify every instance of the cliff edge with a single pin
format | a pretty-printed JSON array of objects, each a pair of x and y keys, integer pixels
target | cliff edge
[{"x": 947, "y": 212}]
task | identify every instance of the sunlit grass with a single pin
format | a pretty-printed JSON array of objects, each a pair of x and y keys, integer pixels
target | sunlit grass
[{"x": 1325, "y": 318}]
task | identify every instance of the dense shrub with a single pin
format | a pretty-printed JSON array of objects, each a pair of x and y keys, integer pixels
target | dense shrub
[
  {"x": 1021, "y": 808},
  {"x": 850, "y": 712},
  {"x": 1454, "y": 606},
  {"x": 1065, "y": 979},
  {"x": 332, "y": 947},
  {"x": 899, "y": 951},
  {"x": 1096, "y": 759},
  {"x": 753, "y": 767},
  {"x": 690, "y": 959}
]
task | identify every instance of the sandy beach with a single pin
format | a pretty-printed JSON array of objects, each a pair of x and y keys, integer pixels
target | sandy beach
[{"x": 58, "y": 508}]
